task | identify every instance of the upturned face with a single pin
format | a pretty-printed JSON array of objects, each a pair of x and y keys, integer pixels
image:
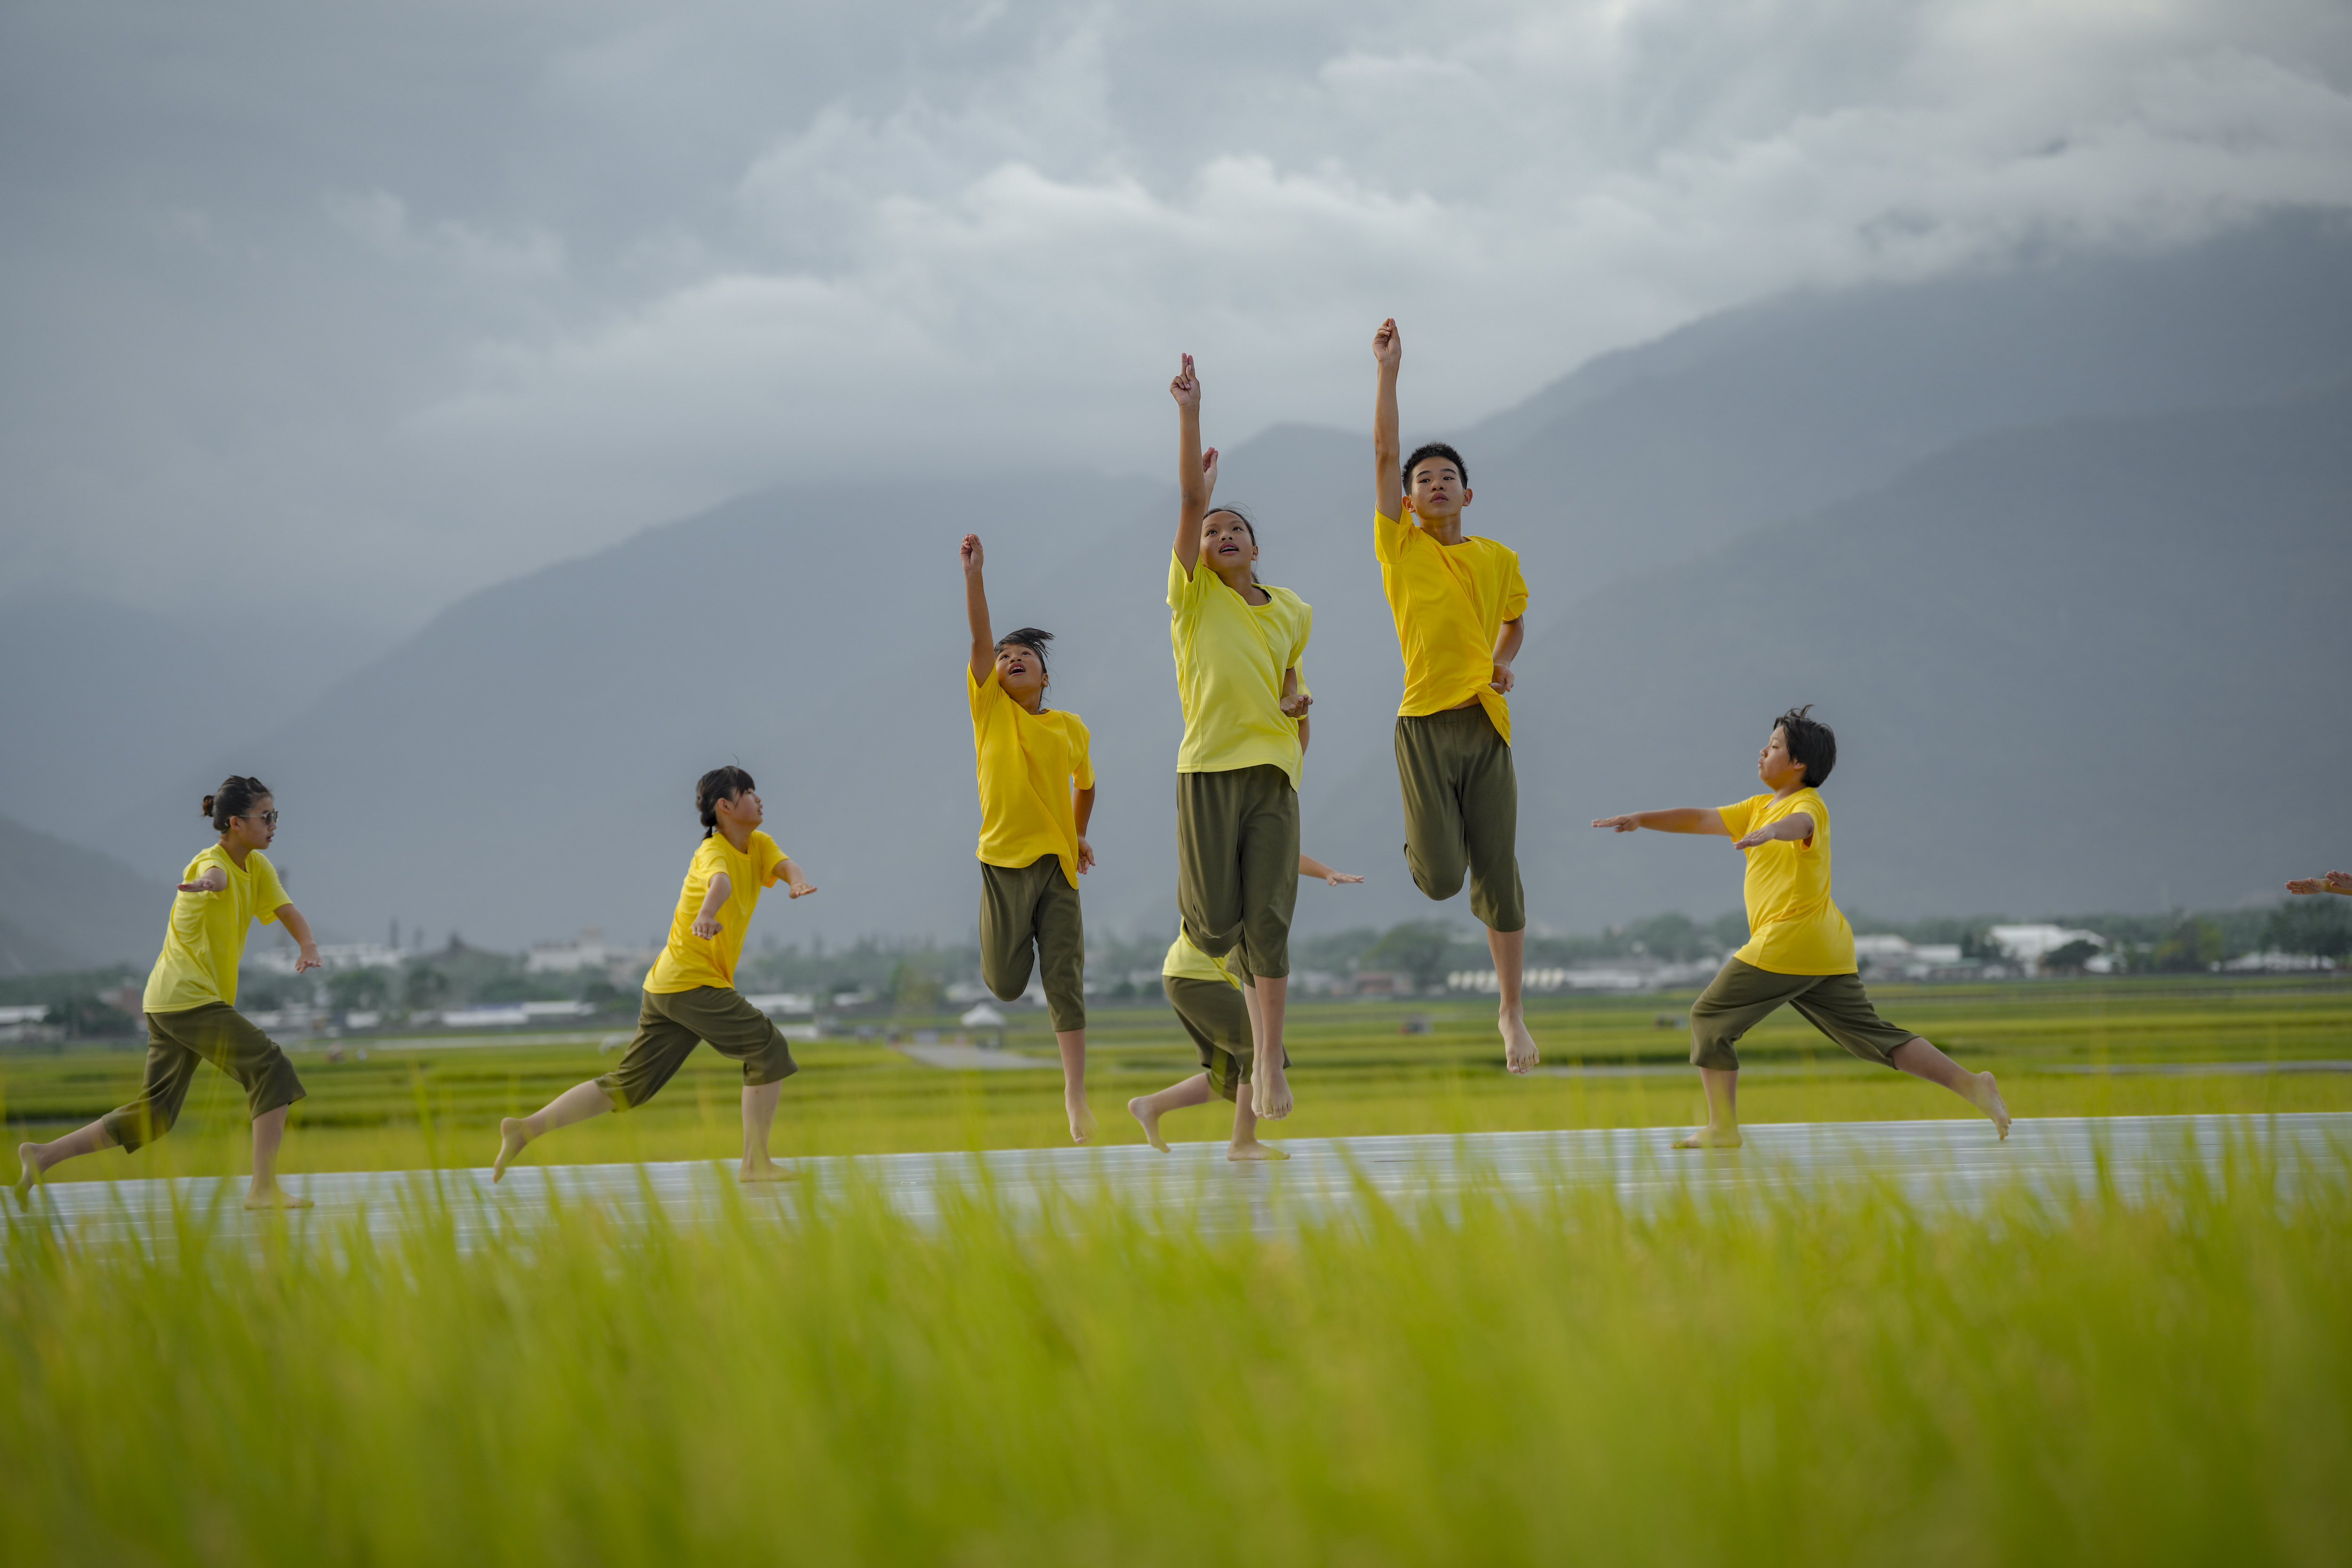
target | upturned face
[
  {"x": 1437, "y": 487},
  {"x": 256, "y": 827},
  {"x": 1775, "y": 766},
  {"x": 1022, "y": 673},
  {"x": 744, "y": 810},
  {"x": 1227, "y": 545}
]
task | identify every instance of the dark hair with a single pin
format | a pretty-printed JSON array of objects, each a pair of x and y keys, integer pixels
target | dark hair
[
  {"x": 1810, "y": 742},
  {"x": 1246, "y": 522},
  {"x": 1434, "y": 450},
  {"x": 235, "y": 798},
  {"x": 717, "y": 784},
  {"x": 1033, "y": 638}
]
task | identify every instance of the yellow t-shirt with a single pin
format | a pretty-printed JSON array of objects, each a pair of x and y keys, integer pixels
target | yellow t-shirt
[
  {"x": 202, "y": 950},
  {"x": 1449, "y": 602},
  {"x": 1185, "y": 962},
  {"x": 1230, "y": 656},
  {"x": 1795, "y": 928},
  {"x": 1027, "y": 764},
  {"x": 687, "y": 961}
]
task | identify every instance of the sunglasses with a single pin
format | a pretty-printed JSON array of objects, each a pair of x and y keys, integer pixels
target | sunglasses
[{"x": 268, "y": 816}]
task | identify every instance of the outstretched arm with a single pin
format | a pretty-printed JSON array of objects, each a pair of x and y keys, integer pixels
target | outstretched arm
[
  {"x": 2334, "y": 882},
  {"x": 1678, "y": 819},
  {"x": 306, "y": 945},
  {"x": 1796, "y": 827},
  {"x": 214, "y": 879},
  {"x": 795, "y": 880},
  {"x": 1196, "y": 472},
  {"x": 975, "y": 609},
  {"x": 1311, "y": 867},
  {"x": 1387, "y": 452}
]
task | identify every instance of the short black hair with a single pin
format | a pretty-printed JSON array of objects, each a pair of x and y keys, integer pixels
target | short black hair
[
  {"x": 717, "y": 784},
  {"x": 1033, "y": 638},
  {"x": 1434, "y": 450},
  {"x": 1810, "y": 742}
]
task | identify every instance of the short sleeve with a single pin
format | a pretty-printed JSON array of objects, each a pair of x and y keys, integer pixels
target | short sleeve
[
  {"x": 771, "y": 860},
  {"x": 268, "y": 892},
  {"x": 1388, "y": 537},
  {"x": 983, "y": 695},
  {"x": 1180, "y": 587},
  {"x": 1082, "y": 758},
  {"x": 1306, "y": 630},
  {"x": 1740, "y": 815},
  {"x": 1813, "y": 805},
  {"x": 1515, "y": 587}
]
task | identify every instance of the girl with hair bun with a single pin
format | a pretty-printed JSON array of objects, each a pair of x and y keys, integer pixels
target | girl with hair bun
[
  {"x": 690, "y": 994},
  {"x": 191, "y": 1001}
]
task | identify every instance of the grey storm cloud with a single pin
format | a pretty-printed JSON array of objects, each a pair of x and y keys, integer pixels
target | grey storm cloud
[{"x": 358, "y": 309}]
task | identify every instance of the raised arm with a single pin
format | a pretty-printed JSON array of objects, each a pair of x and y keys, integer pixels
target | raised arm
[
  {"x": 306, "y": 945},
  {"x": 1196, "y": 472},
  {"x": 975, "y": 609},
  {"x": 1676, "y": 819},
  {"x": 1387, "y": 452}
]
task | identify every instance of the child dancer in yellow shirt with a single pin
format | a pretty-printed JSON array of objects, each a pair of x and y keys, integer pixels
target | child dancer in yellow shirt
[
  {"x": 1215, "y": 1009},
  {"x": 690, "y": 992},
  {"x": 1036, "y": 794},
  {"x": 1237, "y": 645},
  {"x": 191, "y": 1001},
  {"x": 1801, "y": 950}
]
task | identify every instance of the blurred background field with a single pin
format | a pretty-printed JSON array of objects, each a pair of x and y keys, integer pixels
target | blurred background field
[{"x": 2135, "y": 1045}]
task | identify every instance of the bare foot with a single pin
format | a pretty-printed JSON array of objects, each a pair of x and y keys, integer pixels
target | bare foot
[
  {"x": 1518, "y": 1046},
  {"x": 1270, "y": 1092},
  {"x": 1140, "y": 1108},
  {"x": 763, "y": 1169},
  {"x": 513, "y": 1133},
  {"x": 1988, "y": 1101},
  {"x": 1254, "y": 1149},
  {"x": 1082, "y": 1119},
  {"x": 1711, "y": 1138},
  {"x": 273, "y": 1197},
  {"x": 28, "y": 1156}
]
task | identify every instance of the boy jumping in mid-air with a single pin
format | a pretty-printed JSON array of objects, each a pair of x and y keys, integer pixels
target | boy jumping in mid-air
[
  {"x": 1216, "y": 1009},
  {"x": 1460, "y": 606},
  {"x": 1037, "y": 795},
  {"x": 1801, "y": 950}
]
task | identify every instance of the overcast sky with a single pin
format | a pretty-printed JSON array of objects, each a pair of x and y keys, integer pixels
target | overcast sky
[{"x": 353, "y": 309}]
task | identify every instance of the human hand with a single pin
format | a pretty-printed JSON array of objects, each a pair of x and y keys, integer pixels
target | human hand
[
  {"x": 1209, "y": 472},
  {"x": 1336, "y": 877},
  {"x": 1186, "y": 388},
  {"x": 796, "y": 889},
  {"x": 971, "y": 553},
  {"x": 212, "y": 881},
  {"x": 1295, "y": 705},
  {"x": 2334, "y": 882},
  {"x": 308, "y": 958},
  {"x": 706, "y": 927},
  {"x": 1619, "y": 824},
  {"x": 1086, "y": 856},
  {"x": 1502, "y": 679},
  {"x": 1388, "y": 345},
  {"x": 1760, "y": 836}
]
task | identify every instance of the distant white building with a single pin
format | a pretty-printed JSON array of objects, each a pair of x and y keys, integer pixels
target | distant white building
[
  {"x": 587, "y": 950},
  {"x": 334, "y": 955},
  {"x": 784, "y": 1003},
  {"x": 2029, "y": 944}
]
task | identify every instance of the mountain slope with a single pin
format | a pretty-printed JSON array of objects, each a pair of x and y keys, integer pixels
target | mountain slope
[{"x": 63, "y": 906}]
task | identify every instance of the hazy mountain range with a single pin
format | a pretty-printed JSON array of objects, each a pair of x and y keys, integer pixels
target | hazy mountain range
[{"x": 2062, "y": 550}]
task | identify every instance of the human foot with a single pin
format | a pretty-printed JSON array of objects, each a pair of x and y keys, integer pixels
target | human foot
[
  {"x": 270, "y": 1195},
  {"x": 1082, "y": 1119},
  {"x": 763, "y": 1169},
  {"x": 1140, "y": 1108},
  {"x": 28, "y": 1156},
  {"x": 1254, "y": 1149},
  {"x": 513, "y": 1133},
  {"x": 1270, "y": 1092},
  {"x": 1988, "y": 1101},
  {"x": 1711, "y": 1138},
  {"x": 1518, "y": 1046}
]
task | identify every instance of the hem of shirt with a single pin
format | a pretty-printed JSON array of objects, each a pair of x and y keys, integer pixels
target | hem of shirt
[
  {"x": 1854, "y": 969},
  {"x": 653, "y": 989},
  {"x": 1290, "y": 771}
]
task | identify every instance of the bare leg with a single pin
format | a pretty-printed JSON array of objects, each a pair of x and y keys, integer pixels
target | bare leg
[
  {"x": 1269, "y": 1089},
  {"x": 1722, "y": 1129},
  {"x": 1148, "y": 1109},
  {"x": 1921, "y": 1059},
  {"x": 758, "y": 1115},
  {"x": 1246, "y": 1145},
  {"x": 264, "y": 1193},
  {"x": 1509, "y": 948},
  {"x": 578, "y": 1103},
  {"x": 37, "y": 1159},
  {"x": 1074, "y": 1083}
]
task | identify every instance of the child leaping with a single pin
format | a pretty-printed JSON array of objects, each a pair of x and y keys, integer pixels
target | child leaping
[
  {"x": 191, "y": 1001},
  {"x": 1800, "y": 950},
  {"x": 1460, "y": 605},
  {"x": 690, "y": 992},
  {"x": 1037, "y": 795},
  {"x": 1237, "y": 645},
  {"x": 1214, "y": 1008}
]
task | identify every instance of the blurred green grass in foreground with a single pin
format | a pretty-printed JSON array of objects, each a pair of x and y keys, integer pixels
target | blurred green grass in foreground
[
  {"x": 1816, "y": 1378},
  {"x": 407, "y": 1107}
]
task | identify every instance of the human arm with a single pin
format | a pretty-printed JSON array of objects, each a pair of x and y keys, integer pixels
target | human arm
[
  {"x": 1506, "y": 649},
  {"x": 795, "y": 880},
  {"x": 706, "y": 920},
  {"x": 1196, "y": 472},
  {"x": 1675, "y": 819},
  {"x": 1295, "y": 702},
  {"x": 306, "y": 954},
  {"x": 2334, "y": 882},
  {"x": 214, "y": 879},
  {"x": 1388, "y": 451},
  {"x": 1082, "y": 806},
  {"x": 1311, "y": 867},
  {"x": 975, "y": 609},
  {"x": 1795, "y": 828}
]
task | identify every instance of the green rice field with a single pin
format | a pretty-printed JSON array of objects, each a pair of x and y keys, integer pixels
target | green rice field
[{"x": 1823, "y": 1376}]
